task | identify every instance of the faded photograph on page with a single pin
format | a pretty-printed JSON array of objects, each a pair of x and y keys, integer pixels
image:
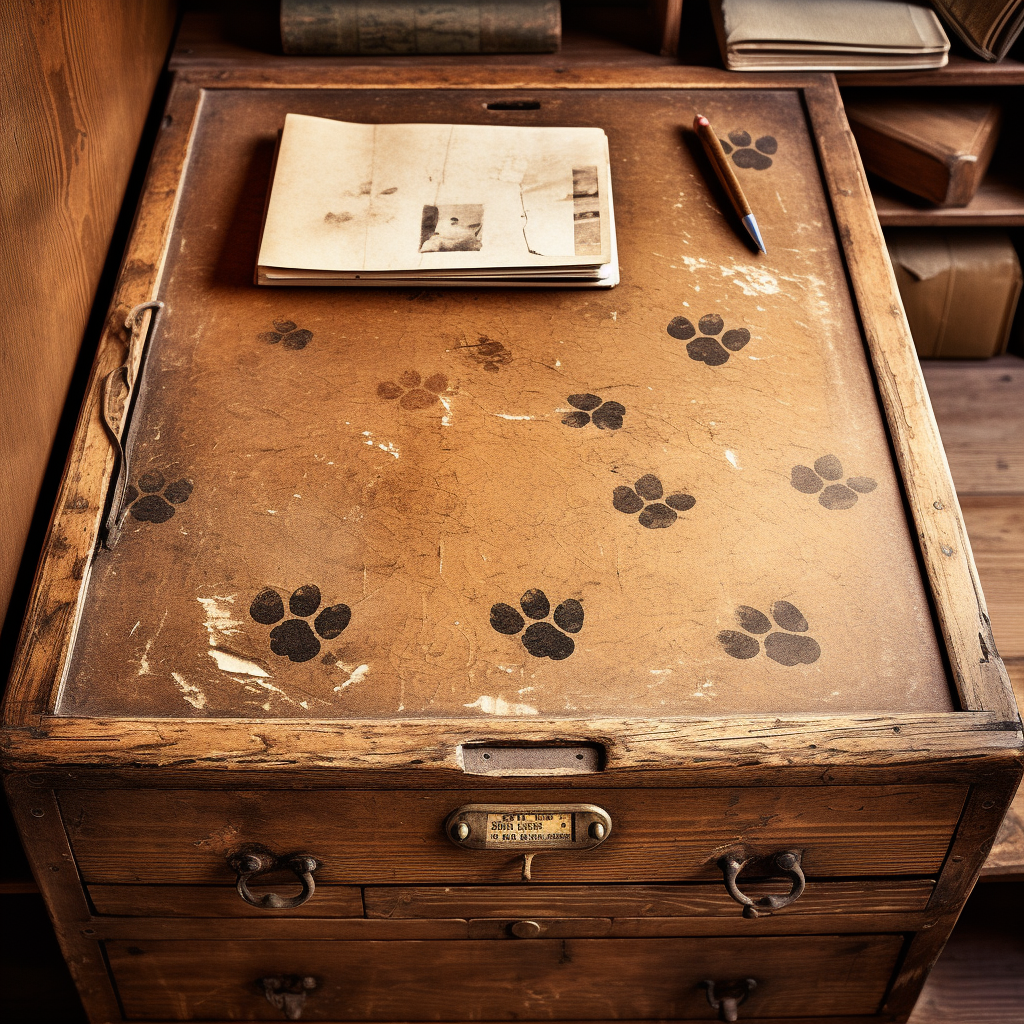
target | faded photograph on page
[{"x": 423, "y": 197}]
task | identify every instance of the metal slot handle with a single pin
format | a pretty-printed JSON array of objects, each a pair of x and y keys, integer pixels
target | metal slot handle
[
  {"x": 288, "y": 992},
  {"x": 729, "y": 996},
  {"x": 786, "y": 863},
  {"x": 248, "y": 865}
]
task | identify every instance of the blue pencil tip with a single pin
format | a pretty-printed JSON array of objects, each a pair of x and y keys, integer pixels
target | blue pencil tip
[{"x": 751, "y": 225}]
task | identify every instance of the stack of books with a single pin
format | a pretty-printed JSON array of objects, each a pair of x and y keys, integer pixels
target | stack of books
[
  {"x": 828, "y": 35},
  {"x": 442, "y": 204}
]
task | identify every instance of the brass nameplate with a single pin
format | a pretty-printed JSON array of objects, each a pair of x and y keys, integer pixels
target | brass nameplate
[
  {"x": 522, "y": 827},
  {"x": 541, "y": 828}
]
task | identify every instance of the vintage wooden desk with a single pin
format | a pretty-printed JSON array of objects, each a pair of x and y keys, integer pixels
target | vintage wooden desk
[{"x": 671, "y": 578}]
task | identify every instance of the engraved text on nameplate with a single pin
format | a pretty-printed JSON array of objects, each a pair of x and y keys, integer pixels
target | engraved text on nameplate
[{"x": 539, "y": 828}]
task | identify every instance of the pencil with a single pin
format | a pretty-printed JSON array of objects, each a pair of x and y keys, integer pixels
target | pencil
[{"x": 727, "y": 176}]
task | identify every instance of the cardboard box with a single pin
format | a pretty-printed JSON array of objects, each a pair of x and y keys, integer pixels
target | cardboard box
[{"x": 959, "y": 289}]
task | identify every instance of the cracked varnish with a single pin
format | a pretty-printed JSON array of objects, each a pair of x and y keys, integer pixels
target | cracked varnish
[{"x": 421, "y": 519}]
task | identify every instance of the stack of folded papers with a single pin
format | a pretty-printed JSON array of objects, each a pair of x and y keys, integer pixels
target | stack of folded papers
[
  {"x": 441, "y": 204},
  {"x": 828, "y": 35}
]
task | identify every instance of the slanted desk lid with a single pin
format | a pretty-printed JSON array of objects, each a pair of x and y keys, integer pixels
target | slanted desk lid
[{"x": 675, "y": 499}]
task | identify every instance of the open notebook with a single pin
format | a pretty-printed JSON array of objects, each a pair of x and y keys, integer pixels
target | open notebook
[{"x": 392, "y": 204}]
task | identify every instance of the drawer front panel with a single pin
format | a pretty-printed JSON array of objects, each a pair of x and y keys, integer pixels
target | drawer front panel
[
  {"x": 431, "y": 903},
  {"x": 180, "y": 837},
  {"x": 639, "y": 901},
  {"x": 541, "y": 979}
]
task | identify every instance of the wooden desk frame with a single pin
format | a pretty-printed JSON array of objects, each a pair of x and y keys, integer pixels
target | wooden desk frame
[{"x": 981, "y": 743}]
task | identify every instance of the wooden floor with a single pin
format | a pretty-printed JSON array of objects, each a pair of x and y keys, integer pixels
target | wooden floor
[{"x": 980, "y": 411}]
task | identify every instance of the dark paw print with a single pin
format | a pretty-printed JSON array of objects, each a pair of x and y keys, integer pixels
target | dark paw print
[
  {"x": 786, "y": 648},
  {"x": 834, "y": 496},
  {"x": 288, "y": 334},
  {"x": 541, "y": 639},
  {"x": 654, "y": 516},
  {"x": 294, "y": 638},
  {"x": 760, "y": 157},
  {"x": 605, "y": 415},
  {"x": 412, "y": 391},
  {"x": 490, "y": 354},
  {"x": 154, "y": 507},
  {"x": 707, "y": 349}
]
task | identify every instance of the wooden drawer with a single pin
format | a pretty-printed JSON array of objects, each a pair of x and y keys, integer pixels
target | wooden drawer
[
  {"x": 541, "y": 979},
  {"x": 539, "y": 901},
  {"x": 362, "y": 837}
]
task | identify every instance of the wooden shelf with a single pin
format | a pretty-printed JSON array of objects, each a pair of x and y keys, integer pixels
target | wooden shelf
[
  {"x": 206, "y": 41},
  {"x": 999, "y": 201},
  {"x": 959, "y": 71}
]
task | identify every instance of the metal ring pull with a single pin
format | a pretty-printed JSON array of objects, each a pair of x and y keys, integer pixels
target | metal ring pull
[
  {"x": 287, "y": 992},
  {"x": 786, "y": 863},
  {"x": 730, "y": 996},
  {"x": 258, "y": 862}
]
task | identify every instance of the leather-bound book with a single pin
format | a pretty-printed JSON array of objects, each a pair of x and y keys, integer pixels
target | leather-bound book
[
  {"x": 988, "y": 27},
  {"x": 936, "y": 150},
  {"x": 388, "y": 28}
]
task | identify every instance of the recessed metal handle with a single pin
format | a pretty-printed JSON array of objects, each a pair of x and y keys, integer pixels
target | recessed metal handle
[
  {"x": 726, "y": 997},
  {"x": 785, "y": 863},
  {"x": 288, "y": 992},
  {"x": 249, "y": 864}
]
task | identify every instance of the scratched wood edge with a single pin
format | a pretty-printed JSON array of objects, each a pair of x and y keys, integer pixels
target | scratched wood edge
[
  {"x": 972, "y": 841},
  {"x": 38, "y": 818},
  {"x": 978, "y": 742},
  {"x": 33, "y": 737},
  {"x": 978, "y": 672},
  {"x": 61, "y": 578}
]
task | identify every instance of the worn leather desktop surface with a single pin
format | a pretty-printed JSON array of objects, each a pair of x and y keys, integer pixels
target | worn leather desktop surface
[{"x": 385, "y": 503}]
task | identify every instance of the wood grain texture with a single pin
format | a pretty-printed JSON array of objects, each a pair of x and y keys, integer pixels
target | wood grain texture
[
  {"x": 527, "y": 980},
  {"x": 207, "y": 901},
  {"x": 80, "y": 76},
  {"x": 979, "y": 979},
  {"x": 945, "y": 548},
  {"x": 53, "y": 865},
  {"x": 979, "y": 408},
  {"x": 186, "y": 838},
  {"x": 638, "y": 901}
]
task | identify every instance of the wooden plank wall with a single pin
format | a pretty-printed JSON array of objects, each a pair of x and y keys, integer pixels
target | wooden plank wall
[{"x": 77, "y": 77}]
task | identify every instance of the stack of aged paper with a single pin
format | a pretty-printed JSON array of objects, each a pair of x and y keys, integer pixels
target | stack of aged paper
[
  {"x": 393, "y": 204},
  {"x": 828, "y": 35}
]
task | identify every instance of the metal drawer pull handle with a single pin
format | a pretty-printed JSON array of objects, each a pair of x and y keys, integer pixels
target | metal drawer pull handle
[
  {"x": 249, "y": 865},
  {"x": 288, "y": 992},
  {"x": 731, "y": 994},
  {"x": 785, "y": 863}
]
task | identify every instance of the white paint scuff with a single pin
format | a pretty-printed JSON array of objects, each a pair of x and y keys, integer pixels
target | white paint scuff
[
  {"x": 509, "y": 416},
  {"x": 730, "y": 457},
  {"x": 500, "y": 706},
  {"x": 220, "y": 622},
  {"x": 356, "y": 675},
  {"x": 228, "y": 662},
  {"x": 191, "y": 693}
]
